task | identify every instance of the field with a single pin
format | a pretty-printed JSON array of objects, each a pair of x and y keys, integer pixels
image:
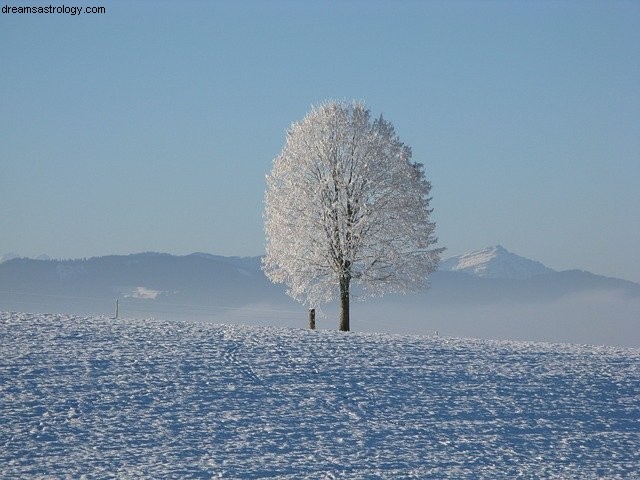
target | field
[{"x": 103, "y": 398}]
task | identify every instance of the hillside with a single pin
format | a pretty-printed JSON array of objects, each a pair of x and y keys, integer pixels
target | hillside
[
  {"x": 494, "y": 262},
  {"x": 101, "y": 398},
  {"x": 491, "y": 293}
]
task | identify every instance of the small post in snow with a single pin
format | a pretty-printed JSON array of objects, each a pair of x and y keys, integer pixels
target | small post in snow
[
  {"x": 116, "y": 317},
  {"x": 312, "y": 318}
]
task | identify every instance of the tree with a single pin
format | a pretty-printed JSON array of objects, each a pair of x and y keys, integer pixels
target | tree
[{"x": 344, "y": 203}]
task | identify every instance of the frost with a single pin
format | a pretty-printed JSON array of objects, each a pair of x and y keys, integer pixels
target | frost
[
  {"x": 101, "y": 398},
  {"x": 344, "y": 202}
]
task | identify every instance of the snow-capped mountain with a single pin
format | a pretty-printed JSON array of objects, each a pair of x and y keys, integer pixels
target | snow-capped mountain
[
  {"x": 491, "y": 293},
  {"x": 495, "y": 262}
]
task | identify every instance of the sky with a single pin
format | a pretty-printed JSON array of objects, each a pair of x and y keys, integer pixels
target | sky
[{"x": 151, "y": 127}]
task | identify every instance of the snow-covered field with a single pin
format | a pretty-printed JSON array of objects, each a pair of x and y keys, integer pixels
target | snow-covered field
[{"x": 128, "y": 398}]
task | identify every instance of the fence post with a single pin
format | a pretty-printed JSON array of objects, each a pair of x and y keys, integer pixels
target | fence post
[{"x": 312, "y": 318}]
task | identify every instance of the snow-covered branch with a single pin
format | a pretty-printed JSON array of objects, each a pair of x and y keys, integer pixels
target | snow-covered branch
[{"x": 345, "y": 202}]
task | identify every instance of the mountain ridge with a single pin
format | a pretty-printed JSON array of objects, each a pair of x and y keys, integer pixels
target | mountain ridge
[
  {"x": 484, "y": 298},
  {"x": 495, "y": 262}
]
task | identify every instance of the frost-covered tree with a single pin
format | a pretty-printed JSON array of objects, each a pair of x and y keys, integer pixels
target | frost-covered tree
[{"x": 344, "y": 203}]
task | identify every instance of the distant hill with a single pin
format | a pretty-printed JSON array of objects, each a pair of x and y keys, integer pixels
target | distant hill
[
  {"x": 149, "y": 283},
  {"x": 490, "y": 293},
  {"x": 494, "y": 273},
  {"x": 5, "y": 257},
  {"x": 494, "y": 262}
]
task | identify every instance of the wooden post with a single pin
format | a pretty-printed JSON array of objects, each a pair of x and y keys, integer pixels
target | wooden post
[
  {"x": 312, "y": 318},
  {"x": 116, "y": 317}
]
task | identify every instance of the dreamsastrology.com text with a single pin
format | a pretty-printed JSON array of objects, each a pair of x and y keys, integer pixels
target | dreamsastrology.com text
[{"x": 51, "y": 9}]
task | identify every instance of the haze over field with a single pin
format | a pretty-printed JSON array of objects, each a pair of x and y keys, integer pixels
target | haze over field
[{"x": 490, "y": 293}]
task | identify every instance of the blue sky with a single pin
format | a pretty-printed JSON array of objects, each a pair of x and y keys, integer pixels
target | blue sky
[{"x": 152, "y": 126}]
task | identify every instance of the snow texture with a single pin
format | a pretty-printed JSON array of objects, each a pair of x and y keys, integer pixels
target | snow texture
[
  {"x": 103, "y": 398},
  {"x": 345, "y": 202},
  {"x": 494, "y": 262}
]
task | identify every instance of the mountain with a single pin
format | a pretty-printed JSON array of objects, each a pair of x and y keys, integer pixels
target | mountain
[
  {"x": 5, "y": 257},
  {"x": 197, "y": 279},
  {"x": 494, "y": 262},
  {"x": 10, "y": 256},
  {"x": 490, "y": 293}
]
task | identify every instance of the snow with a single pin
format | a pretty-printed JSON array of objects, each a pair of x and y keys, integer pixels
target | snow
[
  {"x": 495, "y": 262},
  {"x": 103, "y": 398},
  {"x": 346, "y": 207},
  {"x": 143, "y": 292}
]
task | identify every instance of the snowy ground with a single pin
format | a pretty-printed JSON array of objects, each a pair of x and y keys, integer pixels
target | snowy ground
[{"x": 149, "y": 399}]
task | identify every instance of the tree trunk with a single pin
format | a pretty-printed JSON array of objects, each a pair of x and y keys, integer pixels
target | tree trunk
[
  {"x": 344, "y": 304},
  {"x": 312, "y": 318}
]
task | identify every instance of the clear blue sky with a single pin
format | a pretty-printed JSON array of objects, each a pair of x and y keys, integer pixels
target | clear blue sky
[{"x": 152, "y": 126}]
